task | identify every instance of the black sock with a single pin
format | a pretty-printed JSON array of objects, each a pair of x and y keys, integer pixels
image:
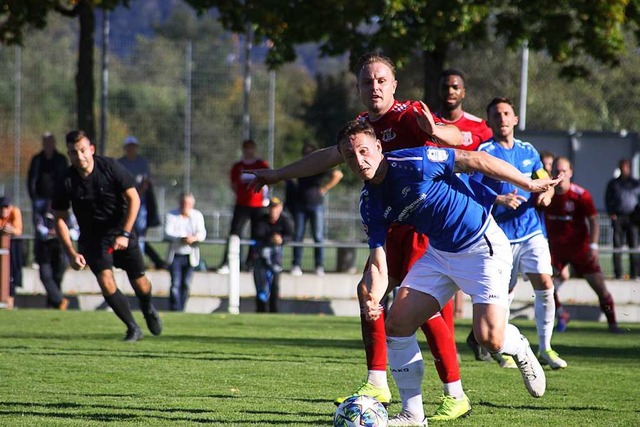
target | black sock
[
  {"x": 118, "y": 302},
  {"x": 145, "y": 300}
]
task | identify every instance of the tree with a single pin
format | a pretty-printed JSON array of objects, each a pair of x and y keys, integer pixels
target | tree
[
  {"x": 20, "y": 16},
  {"x": 572, "y": 32}
]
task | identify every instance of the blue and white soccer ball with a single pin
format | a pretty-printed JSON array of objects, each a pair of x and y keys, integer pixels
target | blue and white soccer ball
[{"x": 359, "y": 411}]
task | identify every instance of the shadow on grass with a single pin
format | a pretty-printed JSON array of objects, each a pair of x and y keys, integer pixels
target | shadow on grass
[
  {"x": 545, "y": 408},
  {"x": 96, "y": 412}
]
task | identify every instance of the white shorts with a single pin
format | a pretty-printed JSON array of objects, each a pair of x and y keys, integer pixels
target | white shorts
[
  {"x": 481, "y": 270},
  {"x": 532, "y": 256}
]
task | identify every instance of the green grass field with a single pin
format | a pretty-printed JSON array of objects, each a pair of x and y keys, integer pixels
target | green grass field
[{"x": 71, "y": 369}]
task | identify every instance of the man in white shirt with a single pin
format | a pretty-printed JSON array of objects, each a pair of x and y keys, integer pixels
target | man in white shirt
[{"x": 184, "y": 229}]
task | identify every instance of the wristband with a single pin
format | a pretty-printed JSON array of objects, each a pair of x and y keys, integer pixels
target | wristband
[
  {"x": 126, "y": 234},
  {"x": 593, "y": 246}
]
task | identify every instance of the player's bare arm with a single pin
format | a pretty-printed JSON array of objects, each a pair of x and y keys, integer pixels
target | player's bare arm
[
  {"x": 317, "y": 162},
  {"x": 377, "y": 281},
  {"x": 133, "y": 205},
  {"x": 444, "y": 134},
  {"x": 76, "y": 260},
  {"x": 479, "y": 161}
]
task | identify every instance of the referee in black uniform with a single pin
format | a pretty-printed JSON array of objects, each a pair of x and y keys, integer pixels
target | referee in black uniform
[{"x": 105, "y": 201}]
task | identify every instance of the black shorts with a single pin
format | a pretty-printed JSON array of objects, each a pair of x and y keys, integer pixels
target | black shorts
[{"x": 99, "y": 256}]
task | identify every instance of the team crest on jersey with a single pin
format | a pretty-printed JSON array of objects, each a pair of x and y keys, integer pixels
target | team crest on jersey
[
  {"x": 467, "y": 138},
  {"x": 437, "y": 155},
  {"x": 388, "y": 135},
  {"x": 569, "y": 206}
]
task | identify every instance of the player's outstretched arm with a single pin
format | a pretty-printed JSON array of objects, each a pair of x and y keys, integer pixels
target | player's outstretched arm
[
  {"x": 444, "y": 134},
  {"x": 312, "y": 164},
  {"x": 479, "y": 161}
]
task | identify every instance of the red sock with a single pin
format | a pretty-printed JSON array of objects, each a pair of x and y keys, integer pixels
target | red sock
[
  {"x": 608, "y": 308},
  {"x": 447, "y": 315},
  {"x": 374, "y": 338},
  {"x": 443, "y": 348}
]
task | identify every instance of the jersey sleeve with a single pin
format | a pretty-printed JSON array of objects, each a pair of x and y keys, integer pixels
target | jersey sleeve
[
  {"x": 61, "y": 200},
  {"x": 123, "y": 178},
  {"x": 371, "y": 212},
  {"x": 588, "y": 205},
  {"x": 438, "y": 162}
]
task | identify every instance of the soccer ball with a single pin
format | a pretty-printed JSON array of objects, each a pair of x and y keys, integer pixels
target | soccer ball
[{"x": 358, "y": 411}]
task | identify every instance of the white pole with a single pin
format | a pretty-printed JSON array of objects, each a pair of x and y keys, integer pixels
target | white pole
[
  {"x": 16, "y": 127},
  {"x": 522, "y": 122},
  {"x": 104, "y": 92},
  {"x": 272, "y": 116},
  {"x": 234, "y": 274},
  {"x": 246, "y": 117},
  {"x": 187, "y": 118}
]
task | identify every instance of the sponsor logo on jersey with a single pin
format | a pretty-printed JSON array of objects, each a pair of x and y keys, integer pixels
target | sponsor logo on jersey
[
  {"x": 437, "y": 155},
  {"x": 387, "y": 212},
  {"x": 526, "y": 162},
  {"x": 405, "y": 191},
  {"x": 388, "y": 135}
]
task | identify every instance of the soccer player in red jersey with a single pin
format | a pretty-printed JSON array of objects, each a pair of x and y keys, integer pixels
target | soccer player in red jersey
[
  {"x": 398, "y": 125},
  {"x": 572, "y": 229},
  {"x": 452, "y": 91},
  {"x": 249, "y": 206}
]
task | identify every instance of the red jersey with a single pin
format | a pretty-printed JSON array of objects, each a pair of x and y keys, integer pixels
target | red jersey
[
  {"x": 245, "y": 196},
  {"x": 474, "y": 130},
  {"x": 398, "y": 127},
  {"x": 567, "y": 217}
]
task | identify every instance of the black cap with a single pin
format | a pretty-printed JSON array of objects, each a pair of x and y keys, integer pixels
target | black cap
[{"x": 5, "y": 201}]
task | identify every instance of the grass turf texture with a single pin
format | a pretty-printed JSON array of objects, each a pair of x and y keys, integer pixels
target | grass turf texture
[{"x": 71, "y": 369}]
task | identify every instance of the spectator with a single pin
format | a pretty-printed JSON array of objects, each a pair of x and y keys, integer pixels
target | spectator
[
  {"x": 621, "y": 199},
  {"x": 148, "y": 214},
  {"x": 45, "y": 169},
  {"x": 50, "y": 256},
  {"x": 184, "y": 229},
  {"x": 272, "y": 230},
  {"x": 11, "y": 224},
  {"x": 572, "y": 222},
  {"x": 104, "y": 199},
  {"x": 249, "y": 205},
  {"x": 308, "y": 205}
]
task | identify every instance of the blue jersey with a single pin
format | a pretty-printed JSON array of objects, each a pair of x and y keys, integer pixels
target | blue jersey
[
  {"x": 522, "y": 223},
  {"x": 421, "y": 189}
]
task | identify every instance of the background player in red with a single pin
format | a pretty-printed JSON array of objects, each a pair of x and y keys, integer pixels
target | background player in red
[
  {"x": 249, "y": 205},
  {"x": 452, "y": 92},
  {"x": 396, "y": 125},
  {"x": 572, "y": 229}
]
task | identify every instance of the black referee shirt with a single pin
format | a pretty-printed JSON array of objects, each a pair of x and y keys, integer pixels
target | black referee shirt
[{"x": 97, "y": 200}]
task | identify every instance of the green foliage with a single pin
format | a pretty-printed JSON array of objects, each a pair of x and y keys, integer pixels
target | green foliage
[{"x": 72, "y": 369}]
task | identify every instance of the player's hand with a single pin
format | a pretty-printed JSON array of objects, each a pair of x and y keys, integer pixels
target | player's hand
[
  {"x": 544, "y": 184},
  {"x": 120, "y": 243},
  {"x": 77, "y": 262},
  {"x": 372, "y": 310},
  {"x": 263, "y": 177},
  {"x": 544, "y": 200},
  {"x": 425, "y": 118},
  {"x": 511, "y": 200}
]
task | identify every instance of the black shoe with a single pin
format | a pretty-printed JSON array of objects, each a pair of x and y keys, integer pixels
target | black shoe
[
  {"x": 480, "y": 353},
  {"x": 133, "y": 334},
  {"x": 153, "y": 321}
]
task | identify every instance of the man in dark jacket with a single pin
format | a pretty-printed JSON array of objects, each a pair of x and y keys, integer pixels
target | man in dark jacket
[{"x": 621, "y": 199}]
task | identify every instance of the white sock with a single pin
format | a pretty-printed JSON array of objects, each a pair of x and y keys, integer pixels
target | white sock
[
  {"x": 377, "y": 379},
  {"x": 513, "y": 342},
  {"x": 544, "y": 308},
  {"x": 407, "y": 369},
  {"x": 454, "y": 389}
]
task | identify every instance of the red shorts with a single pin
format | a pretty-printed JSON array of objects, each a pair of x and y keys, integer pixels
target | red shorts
[
  {"x": 579, "y": 257},
  {"x": 404, "y": 246}
]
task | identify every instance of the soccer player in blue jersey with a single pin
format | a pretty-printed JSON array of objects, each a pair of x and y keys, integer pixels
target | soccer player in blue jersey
[
  {"x": 467, "y": 251},
  {"x": 515, "y": 212}
]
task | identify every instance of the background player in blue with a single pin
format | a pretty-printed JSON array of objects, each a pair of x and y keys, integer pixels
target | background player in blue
[
  {"x": 515, "y": 212},
  {"x": 467, "y": 251}
]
